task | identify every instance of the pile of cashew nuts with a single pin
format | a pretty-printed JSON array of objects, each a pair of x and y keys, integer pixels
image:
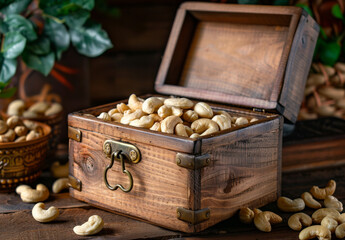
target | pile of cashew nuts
[
  {"x": 41, "y": 194},
  {"x": 16, "y": 130},
  {"x": 39, "y": 109},
  {"x": 178, "y": 116},
  {"x": 328, "y": 219}
]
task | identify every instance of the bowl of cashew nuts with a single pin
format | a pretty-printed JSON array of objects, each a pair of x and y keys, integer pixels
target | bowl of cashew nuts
[
  {"x": 50, "y": 113},
  {"x": 23, "y": 148}
]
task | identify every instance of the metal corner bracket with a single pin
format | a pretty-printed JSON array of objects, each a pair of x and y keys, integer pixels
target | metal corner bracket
[
  {"x": 74, "y": 134},
  {"x": 193, "y": 217},
  {"x": 192, "y": 161},
  {"x": 74, "y": 183}
]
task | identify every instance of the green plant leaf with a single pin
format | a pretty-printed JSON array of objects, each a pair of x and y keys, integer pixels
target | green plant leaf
[
  {"x": 86, "y": 4},
  {"x": 15, "y": 7},
  {"x": 90, "y": 40},
  {"x": 329, "y": 53},
  {"x": 17, "y": 23},
  {"x": 77, "y": 18},
  {"x": 3, "y": 26},
  {"x": 7, "y": 93},
  {"x": 306, "y": 8},
  {"x": 323, "y": 33},
  {"x": 14, "y": 45},
  {"x": 40, "y": 46},
  {"x": 336, "y": 12},
  {"x": 4, "y": 3},
  {"x": 58, "y": 35},
  {"x": 7, "y": 70},
  {"x": 41, "y": 63}
]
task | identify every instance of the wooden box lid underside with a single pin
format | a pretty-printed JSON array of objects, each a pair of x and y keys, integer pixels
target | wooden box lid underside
[{"x": 227, "y": 53}]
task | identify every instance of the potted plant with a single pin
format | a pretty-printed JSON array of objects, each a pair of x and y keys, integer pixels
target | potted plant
[{"x": 34, "y": 35}]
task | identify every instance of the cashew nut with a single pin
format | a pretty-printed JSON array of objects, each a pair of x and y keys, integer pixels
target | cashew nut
[
  {"x": 134, "y": 103},
  {"x": 322, "y": 193},
  {"x": 256, "y": 211},
  {"x": 156, "y": 127},
  {"x": 264, "y": 220},
  {"x": 319, "y": 214},
  {"x": 222, "y": 121},
  {"x": 91, "y": 227},
  {"x": 28, "y": 114},
  {"x": 190, "y": 116},
  {"x": 32, "y": 135},
  {"x": 39, "y": 194},
  {"x": 59, "y": 171},
  {"x": 13, "y": 121},
  {"x": 296, "y": 221},
  {"x": 20, "y": 131},
  {"x": 156, "y": 117},
  {"x": 340, "y": 231},
  {"x": 287, "y": 205},
  {"x": 143, "y": 122},
  {"x": 226, "y": 114},
  {"x": 116, "y": 117},
  {"x": 195, "y": 135},
  {"x": 329, "y": 223},
  {"x": 246, "y": 215},
  {"x": 180, "y": 130},
  {"x": 176, "y": 111},
  {"x": 39, "y": 107},
  {"x": 104, "y": 116},
  {"x": 204, "y": 126},
  {"x": 321, "y": 232},
  {"x": 253, "y": 120},
  {"x": 241, "y": 121},
  {"x": 121, "y": 107},
  {"x": 310, "y": 201},
  {"x": 20, "y": 139},
  {"x": 16, "y": 107},
  {"x": 341, "y": 219},
  {"x": 164, "y": 111},
  {"x": 333, "y": 202},
  {"x": 53, "y": 109},
  {"x": 3, "y": 127},
  {"x": 42, "y": 215},
  {"x": 9, "y": 136},
  {"x": 183, "y": 103},
  {"x": 60, "y": 184},
  {"x": 30, "y": 125},
  {"x": 22, "y": 188},
  {"x": 203, "y": 110},
  {"x": 169, "y": 123},
  {"x": 152, "y": 104},
  {"x": 127, "y": 118},
  {"x": 113, "y": 111}
]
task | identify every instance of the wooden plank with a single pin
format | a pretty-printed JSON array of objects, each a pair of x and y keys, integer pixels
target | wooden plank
[
  {"x": 21, "y": 225},
  {"x": 160, "y": 186}
]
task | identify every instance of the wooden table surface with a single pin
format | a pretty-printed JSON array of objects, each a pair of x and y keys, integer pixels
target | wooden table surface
[{"x": 16, "y": 221}]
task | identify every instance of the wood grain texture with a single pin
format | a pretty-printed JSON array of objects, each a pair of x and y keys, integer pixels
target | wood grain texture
[
  {"x": 219, "y": 52},
  {"x": 160, "y": 186},
  {"x": 243, "y": 173},
  {"x": 298, "y": 66}
]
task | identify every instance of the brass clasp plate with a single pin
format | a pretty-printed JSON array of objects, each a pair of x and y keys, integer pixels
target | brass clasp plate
[{"x": 131, "y": 152}]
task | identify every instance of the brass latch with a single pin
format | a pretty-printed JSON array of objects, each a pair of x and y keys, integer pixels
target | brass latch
[
  {"x": 192, "y": 161},
  {"x": 120, "y": 151},
  {"x": 74, "y": 134},
  {"x": 193, "y": 217},
  {"x": 74, "y": 183}
]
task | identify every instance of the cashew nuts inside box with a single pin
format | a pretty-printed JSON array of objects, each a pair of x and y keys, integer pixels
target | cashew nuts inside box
[{"x": 179, "y": 116}]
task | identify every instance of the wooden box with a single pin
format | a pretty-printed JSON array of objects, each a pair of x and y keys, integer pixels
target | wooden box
[{"x": 257, "y": 57}]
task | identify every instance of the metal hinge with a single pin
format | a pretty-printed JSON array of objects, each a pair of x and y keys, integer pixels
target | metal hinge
[
  {"x": 74, "y": 134},
  {"x": 74, "y": 183},
  {"x": 192, "y": 161},
  {"x": 259, "y": 110},
  {"x": 193, "y": 217}
]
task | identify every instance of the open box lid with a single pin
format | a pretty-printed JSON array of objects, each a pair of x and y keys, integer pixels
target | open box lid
[{"x": 244, "y": 55}]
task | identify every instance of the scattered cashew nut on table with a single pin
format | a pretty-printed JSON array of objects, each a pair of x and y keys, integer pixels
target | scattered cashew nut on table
[
  {"x": 340, "y": 231},
  {"x": 297, "y": 220},
  {"x": 264, "y": 220},
  {"x": 287, "y": 205},
  {"x": 333, "y": 202},
  {"x": 310, "y": 201},
  {"x": 319, "y": 214},
  {"x": 91, "y": 227},
  {"x": 321, "y": 232},
  {"x": 27, "y": 194},
  {"x": 246, "y": 215},
  {"x": 60, "y": 184},
  {"x": 330, "y": 223},
  {"x": 322, "y": 193},
  {"x": 42, "y": 215}
]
